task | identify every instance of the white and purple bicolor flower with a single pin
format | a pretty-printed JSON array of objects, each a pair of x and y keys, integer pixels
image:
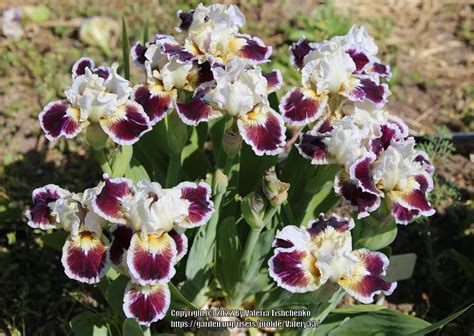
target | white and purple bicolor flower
[
  {"x": 378, "y": 159},
  {"x": 240, "y": 91},
  {"x": 98, "y": 95},
  {"x": 147, "y": 240},
  {"x": 395, "y": 173},
  {"x": 344, "y": 140},
  {"x": 338, "y": 71},
  {"x": 84, "y": 255},
  {"x": 169, "y": 67},
  {"x": 305, "y": 259},
  {"x": 213, "y": 35}
]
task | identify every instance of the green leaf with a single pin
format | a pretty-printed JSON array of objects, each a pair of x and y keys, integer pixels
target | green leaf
[
  {"x": 228, "y": 252},
  {"x": 89, "y": 324},
  {"x": 373, "y": 233},
  {"x": 136, "y": 172},
  {"x": 122, "y": 161},
  {"x": 357, "y": 309},
  {"x": 145, "y": 31},
  {"x": 466, "y": 265},
  {"x": 310, "y": 192},
  {"x": 154, "y": 161},
  {"x": 132, "y": 328},
  {"x": 125, "y": 51},
  {"x": 328, "y": 305},
  {"x": 216, "y": 130},
  {"x": 195, "y": 163},
  {"x": 198, "y": 265},
  {"x": 273, "y": 100},
  {"x": 280, "y": 298},
  {"x": 442, "y": 323},
  {"x": 249, "y": 269},
  {"x": 375, "y": 322},
  {"x": 114, "y": 294},
  {"x": 400, "y": 267},
  {"x": 176, "y": 295},
  {"x": 252, "y": 168},
  {"x": 316, "y": 200},
  {"x": 55, "y": 239}
]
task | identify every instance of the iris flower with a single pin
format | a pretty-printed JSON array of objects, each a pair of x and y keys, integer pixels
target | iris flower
[
  {"x": 213, "y": 35},
  {"x": 378, "y": 159},
  {"x": 342, "y": 70},
  {"x": 147, "y": 240},
  {"x": 240, "y": 91},
  {"x": 97, "y": 96},
  {"x": 85, "y": 253},
  {"x": 305, "y": 259}
]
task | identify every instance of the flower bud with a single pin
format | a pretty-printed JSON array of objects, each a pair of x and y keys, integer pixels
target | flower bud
[
  {"x": 96, "y": 137},
  {"x": 220, "y": 182},
  {"x": 275, "y": 190},
  {"x": 231, "y": 143},
  {"x": 253, "y": 209}
]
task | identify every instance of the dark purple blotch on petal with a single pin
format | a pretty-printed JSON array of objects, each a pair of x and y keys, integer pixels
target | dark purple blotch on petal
[
  {"x": 264, "y": 138},
  {"x": 320, "y": 225},
  {"x": 381, "y": 70},
  {"x": 55, "y": 121},
  {"x": 186, "y": 20},
  {"x": 287, "y": 267},
  {"x": 299, "y": 108},
  {"x": 254, "y": 49},
  {"x": 109, "y": 200},
  {"x": 362, "y": 174},
  {"x": 195, "y": 110},
  {"x": 204, "y": 73},
  {"x": 149, "y": 306},
  {"x": 282, "y": 243},
  {"x": 152, "y": 267},
  {"x": 200, "y": 206},
  {"x": 120, "y": 243},
  {"x": 138, "y": 53},
  {"x": 85, "y": 264},
  {"x": 181, "y": 243},
  {"x": 359, "y": 57},
  {"x": 368, "y": 89},
  {"x": 274, "y": 79},
  {"x": 298, "y": 51},
  {"x": 179, "y": 51},
  {"x": 102, "y": 72},
  {"x": 381, "y": 143},
  {"x": 79, "y": 68},
  {"x": 372, "y": 283},
  {"x": 403, "y": 215},
  {"x": 40, "y": 213},
  {"x": 155, "y": 106},
  {"x": 128, "y": 128},
  {"x": 313, "y": 146},
  {"x": 364, "y": 202}
]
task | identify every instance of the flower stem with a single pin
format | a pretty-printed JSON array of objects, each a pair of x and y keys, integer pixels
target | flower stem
[
  {"x": 174, "y": 168},
  {"x": 240, "y": 291},
  {"x": 102, "y": 159}
]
